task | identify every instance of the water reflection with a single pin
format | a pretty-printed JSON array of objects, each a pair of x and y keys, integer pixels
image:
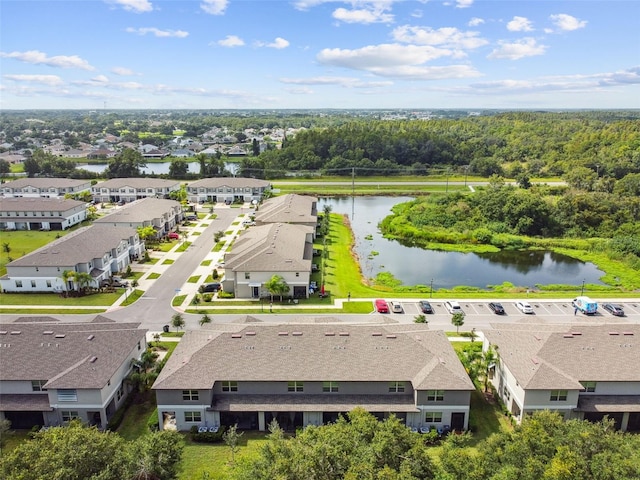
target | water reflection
[{"x": 416, "y": 266}]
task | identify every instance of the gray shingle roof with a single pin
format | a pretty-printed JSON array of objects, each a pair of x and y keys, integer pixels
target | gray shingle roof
[
  {"x": 314, "y": 353},
  {"x": 62, "y": 353},
  {"x": 290, "y": 208},
  {"x": 136, "y": 182},
  {"x": 142, "y": 210},
  {"x": 40, "y": 204},
  {"x": 561, "y": 356},
  {"x": 271, "y": 248},
  {"x": 45, "y": 182},
  {"x": 232, "y": 182},
  {"x": 80, "y": 246}
]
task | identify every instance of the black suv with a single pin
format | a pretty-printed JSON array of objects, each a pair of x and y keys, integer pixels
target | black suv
[
  {"x": 496, "y": 308},
  {"x": 210, "y": 287},
  {"x": 425, "y": 306}
]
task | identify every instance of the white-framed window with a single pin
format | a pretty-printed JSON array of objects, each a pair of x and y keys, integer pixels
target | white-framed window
[
  {"x": 192, "y": 416},
  {"x": 558, "y": 395},
  {"x": 247, "y": 275},
  {"x": 33, "y": 284},
  {"x": 506, "y": 394},
  {"x": 229, "y": 386},
  {"x": 295, "y": 386},
  {"x": 37, "y": 385},
  {"x": 67, "y": 395},
  {"x": 330, "y": 387},
  {"x": 432, "y": 417},
  {"x": 190, "y": 395},
  {"x": 68, "y": 415},
  {"x": 396, "y": 387},
  {"x": 48, "y": 283},
  {"x": 19, "y": 283},
  {"x": 435, "y": 395},
  {"x": 589, "y": 387}
]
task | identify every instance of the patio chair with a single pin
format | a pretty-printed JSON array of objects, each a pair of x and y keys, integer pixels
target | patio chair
[{"x": 214, "y": 429}]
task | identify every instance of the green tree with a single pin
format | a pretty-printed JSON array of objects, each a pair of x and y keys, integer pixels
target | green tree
[
  {"x": 457, "y": 320},
  {"x": 277, "y": 285},
  {"x": 5, "y": 167},
  {"x": 206, "y": 319},
  {"x": 83, "y": 281},
  {"x": 177, "y": 321},
  {"x": 178, "y": 168},
  {"x": 126, "y": 164},
  {"x": 231, "y": 437},
  {"x": 146, "y": 233}
]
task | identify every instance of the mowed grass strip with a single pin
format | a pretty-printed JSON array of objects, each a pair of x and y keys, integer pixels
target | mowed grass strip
[{"x": 20, "y": 243}]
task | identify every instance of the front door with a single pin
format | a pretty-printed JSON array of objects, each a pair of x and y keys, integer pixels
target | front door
[
  {"x": 255, "y": 292},
  {"x": 457, "y": 421}
]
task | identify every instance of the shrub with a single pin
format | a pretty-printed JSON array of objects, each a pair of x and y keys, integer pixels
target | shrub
[
  {"x": 207, "y": 297},
  {"x": 152, "y": 421},
  {"x": 224, "y": 294},
  {"x": 206, "y": 437}
]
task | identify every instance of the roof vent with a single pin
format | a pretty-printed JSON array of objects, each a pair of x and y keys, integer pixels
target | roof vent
[
  {"x": 576, "y": 333},
  {"x": 535, "y": 360},
  {"x": 16, "y": 332},
  {"x": 91, "y": 337},
  {"x": 48, "y": 332},
  {"x": 60, "y": 335},
  {"x": 567, "y": 335},
  {"x": 93, "y": 359},
  {"x": 627, "y": 333},
  {"x": 3, "y": 332},
  {"x": 296, "y": 334},
  {"x": 329, "y": 334},
  {"x": 391, "y": 336},
  {"x": 283, "y": 334},
  {"x": 236, "y": 335},
  {"x": 614, "y": 333},
  {"x": 343, "y": 334},
  {"x": 376, "y": 334},
  {"x": 250, "y": 334}
]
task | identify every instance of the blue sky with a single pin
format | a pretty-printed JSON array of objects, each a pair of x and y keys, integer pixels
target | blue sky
[{"x": 226, "y": 54}]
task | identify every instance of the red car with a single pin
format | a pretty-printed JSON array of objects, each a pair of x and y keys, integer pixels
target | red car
[
  {"x": 382, "y": 306},
  {"x": 174, "y": 236}
]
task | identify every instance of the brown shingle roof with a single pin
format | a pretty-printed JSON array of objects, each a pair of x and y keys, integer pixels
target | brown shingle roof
[
  {"x": 314, "y": 353},
  {"x": 290, "y": 208},
  {"x": 64, "y": 354},
  {"x": 561, "y": 356}
]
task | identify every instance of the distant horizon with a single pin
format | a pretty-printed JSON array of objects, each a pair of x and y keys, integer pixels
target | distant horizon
[{"x": 319, "y": 54}]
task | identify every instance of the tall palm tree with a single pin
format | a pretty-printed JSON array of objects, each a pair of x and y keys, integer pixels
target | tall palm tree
[
  {"x": 68, "y": 278},
  {"x": 83, "y": 280}
]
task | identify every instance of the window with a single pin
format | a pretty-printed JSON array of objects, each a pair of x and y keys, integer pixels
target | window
[
  {"x": 247, "y": 275},
  {"x": 49, "y": 283},
  {"x": 589, "y": 386},
  {"x": 435, "y": 395},
  {"x": 432, "y": 417},
  {"x": 396, "y": 387},
  {"x": 297, "y": 274},
  {"x": 19, "y": 283},
  {"x": 192, "y": 416},
  {"x": 330, "y": 387},
  {"x": 33, "y": 284},
  {"x": 295, "y": 386},
  {"x": 190, "y": 395},
  {"x": 506, "y": 394},
  {"x": 37, "y": 385},
  {"x": 558, "y": 395},
  {"x": 230, "y": 386},
  {"x": 68, "y": 415},
  {"x": 67, "y": 395}
]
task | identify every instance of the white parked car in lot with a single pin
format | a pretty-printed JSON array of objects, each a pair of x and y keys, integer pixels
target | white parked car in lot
[
  {"x": 524, "y": 307},
  {"x": 453, "y": 307}
]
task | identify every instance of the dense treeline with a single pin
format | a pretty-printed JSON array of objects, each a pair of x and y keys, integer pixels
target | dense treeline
[
  {"x": 361, "y": 447},
  {"x": 508, "y": 144}
]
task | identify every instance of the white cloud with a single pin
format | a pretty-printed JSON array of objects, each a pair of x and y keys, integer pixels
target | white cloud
[
  {"x": 475, "y": 21},
  {"x": 348, "y": 82},
  {"x": 279, "y": 43},
  {"x": 214, "y": 7},
  {"x": 137, "y": 6},
  {"x": 566, "y": 22},
  {"x": 231, "y": 41},
  {"x": 519, "y": 24},
  {"x": 365, "y": 16},
  {"x": 122, "y": 71},
  {"x": 100, "y": 79},
  {"x": 463, "y": 3},
  {"x": 449, "y": 37},
  {"x": 158, "y": 33},
  {"x": 51, "y": 80},
  {"x": 36, "y": 57},
  {"x": 395, "y": 60},
  {"x": 527, "y": 47}
]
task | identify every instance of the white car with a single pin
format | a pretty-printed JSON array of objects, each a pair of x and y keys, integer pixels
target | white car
[
  {"x": 453, "y": 307},
  {"x": 524, "y": 307}
]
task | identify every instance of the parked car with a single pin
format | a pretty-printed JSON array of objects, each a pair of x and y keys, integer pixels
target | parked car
[
  {"x": 496, "y": 308},
  {"x": 453, "y": 307},
  {"x": 173, "y": 236},
  {"x": 396, "y": 307},
  {"x": 425, "y": 306},
  {"x": 210, "y": 287},
  {"x": 192, "y": 218},
  {"x": 614, "y": 309},
  {"x": 381, "y": 306},
  {"x": 524, "y": 307}
]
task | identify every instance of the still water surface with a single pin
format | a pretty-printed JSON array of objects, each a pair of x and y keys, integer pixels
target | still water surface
[
  {"x": 161, "y": 168},
  {"x": 416, "y": 266}
]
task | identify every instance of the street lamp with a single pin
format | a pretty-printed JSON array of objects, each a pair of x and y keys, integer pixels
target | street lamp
[
  {"x": 431, "y": 289},
  {"x": 582, "y": 291}
]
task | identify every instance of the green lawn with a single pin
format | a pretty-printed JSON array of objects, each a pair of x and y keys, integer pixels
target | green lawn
[
  {"x": 153, "y": 276},
  {"x": 97, "y": 299},
  {"x": 194, "y": 279},
  {"x": 51, "y": 311},
  {"x": 205, "y": 263},
  {"x": 134, "y": 424},
  {"x": 21, "y": 243},
  {"x": 177, "y": 300},
  {"x": 168, "y": 261}
]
